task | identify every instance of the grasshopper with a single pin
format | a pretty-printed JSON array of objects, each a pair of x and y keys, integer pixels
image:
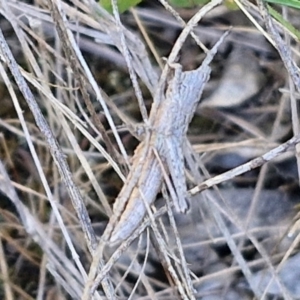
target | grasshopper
[{"x": 168, "y": 127}]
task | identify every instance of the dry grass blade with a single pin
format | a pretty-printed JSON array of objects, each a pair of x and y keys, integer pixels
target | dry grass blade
[
  {"x": 69, "y": 46},
  {"x": 128, "y": 59},
  {"x": 55, "y": 256},
  {"x": 253, "y": 164},
  {"x": 57, "y": 154},
  {"x": 4, "y": 273},
  {"x": 8, "y": 59},
  {"x": 90, "y": 83},
  {"x": 281, "y": 46}
]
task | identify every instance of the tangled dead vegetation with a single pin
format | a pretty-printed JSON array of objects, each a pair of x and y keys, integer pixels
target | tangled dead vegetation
[{"x": 77, "y": 86}]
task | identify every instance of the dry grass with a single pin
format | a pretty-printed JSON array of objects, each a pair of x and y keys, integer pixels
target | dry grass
[{"x": 68, "y": 127}]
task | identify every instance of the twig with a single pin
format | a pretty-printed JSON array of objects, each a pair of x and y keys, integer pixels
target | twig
[
  {"x": 181, "y": 22},
  {"x": 253, "y": 164}
]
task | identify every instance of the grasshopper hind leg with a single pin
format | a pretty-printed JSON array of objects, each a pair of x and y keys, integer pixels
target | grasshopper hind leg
[{"x": 175, "y": 161}]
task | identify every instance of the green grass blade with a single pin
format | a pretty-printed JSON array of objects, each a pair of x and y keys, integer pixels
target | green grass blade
[
  {"x": 123, "y": 5},
  {"x": 187, "y": 3},
  {"x": 277, "y": 16},
  {"x": 290, "y": 3}
]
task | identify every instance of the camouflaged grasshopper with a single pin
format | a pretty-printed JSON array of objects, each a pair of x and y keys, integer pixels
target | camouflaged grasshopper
[{"x": 168, "y": 127}]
